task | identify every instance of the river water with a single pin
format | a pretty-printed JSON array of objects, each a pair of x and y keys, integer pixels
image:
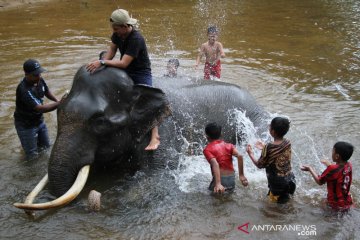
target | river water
[{"x": 298, "y": 58}]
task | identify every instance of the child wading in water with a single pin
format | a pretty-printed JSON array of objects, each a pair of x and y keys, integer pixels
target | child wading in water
[
  {"x": 213, "y": 51},
  {"x": 337, "y": 176},
  {"x": 171, "y": 68},
  {"x": 276, "y": 159},
  {"x": 219, "y": 155}
]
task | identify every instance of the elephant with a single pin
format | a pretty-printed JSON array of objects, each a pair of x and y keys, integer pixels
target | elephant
[{"x": 106, "y": 119}]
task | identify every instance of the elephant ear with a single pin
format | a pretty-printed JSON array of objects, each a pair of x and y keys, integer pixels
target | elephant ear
[{"x": 150, "y": 107}]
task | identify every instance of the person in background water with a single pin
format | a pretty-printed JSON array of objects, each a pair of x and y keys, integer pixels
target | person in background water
[
  {"x": 337, "y": 176},
  {"x": 134, "y": 57},
  {"x": 172, "y": 67},
  {"x": 28, "y": 115},
  {"x": 213, "y": 51},
  {"x": 276, "y": 159},
  {"x": 219, "y": 155}
]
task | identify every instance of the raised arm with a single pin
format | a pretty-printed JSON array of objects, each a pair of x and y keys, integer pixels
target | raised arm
[
  {"x": 47, "y": 107},
  {"x": 119, "y": 63},
  {"x": 109, "y": 61},
  {"x": 110, "y": 54},
  {"x": 308, "y": 168},
  {"x": 51, "y": 96},
  {"x": 251, "y": 155},
  {"x": 325, "y": 162}
]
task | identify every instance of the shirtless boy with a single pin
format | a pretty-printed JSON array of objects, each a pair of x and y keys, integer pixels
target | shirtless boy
[{"x": 213, "y": 51}]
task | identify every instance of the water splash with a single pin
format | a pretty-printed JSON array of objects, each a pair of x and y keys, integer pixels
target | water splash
[
  {"x": 342, "y": 91},
  {"x": 194, "y": 174}
]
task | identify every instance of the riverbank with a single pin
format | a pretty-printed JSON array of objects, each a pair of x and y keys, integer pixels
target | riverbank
[{"x": 11, "y": 4}]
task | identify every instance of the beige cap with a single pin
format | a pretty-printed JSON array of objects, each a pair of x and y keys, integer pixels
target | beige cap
[{"x": 121, "y": 16}]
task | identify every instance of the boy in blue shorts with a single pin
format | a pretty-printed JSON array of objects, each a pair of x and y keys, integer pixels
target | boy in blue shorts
[{"x": 219, "y": 155}]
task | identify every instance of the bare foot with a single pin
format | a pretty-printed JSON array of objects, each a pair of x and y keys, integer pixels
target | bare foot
[{"x": 153, "y": 145}]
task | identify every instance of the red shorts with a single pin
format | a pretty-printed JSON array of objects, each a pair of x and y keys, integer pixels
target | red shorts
[{"x": 212, "y": 70}]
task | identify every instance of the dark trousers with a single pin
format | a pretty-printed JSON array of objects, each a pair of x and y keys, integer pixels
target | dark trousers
[{"x": 33, "y": 139}]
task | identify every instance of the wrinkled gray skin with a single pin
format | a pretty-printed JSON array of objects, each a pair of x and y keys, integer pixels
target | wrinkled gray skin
[
  {"x": 198, "y": 102},
  {"x": 107, "y": 120}
]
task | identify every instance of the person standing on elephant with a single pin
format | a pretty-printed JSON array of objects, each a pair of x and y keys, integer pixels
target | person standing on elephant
[
  {"x": 219, "y": 155},
  {"x": 134, "y": 57},
  {"x": 28, "y": 115},
  {"x": 276, "y": 159},
  {"x": 213, "y": 51}
]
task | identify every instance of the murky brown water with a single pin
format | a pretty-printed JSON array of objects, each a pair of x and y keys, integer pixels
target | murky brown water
[{"x": 298, "y": 58}]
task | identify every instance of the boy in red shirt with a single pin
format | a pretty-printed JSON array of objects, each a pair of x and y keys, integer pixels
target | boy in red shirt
[
  {"x": 219, "y": 155},
  {"x": 337, "y": 176}
]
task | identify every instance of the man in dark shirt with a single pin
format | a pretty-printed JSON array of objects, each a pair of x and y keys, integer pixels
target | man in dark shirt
[
  {"x": 29, "y": 120},
  {"x": 134, "y": 57}
]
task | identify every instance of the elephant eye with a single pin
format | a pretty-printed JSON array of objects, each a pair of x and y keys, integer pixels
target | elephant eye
[
  {"x": 102, "y": 124},
  {"x": 99, "y": 124}
]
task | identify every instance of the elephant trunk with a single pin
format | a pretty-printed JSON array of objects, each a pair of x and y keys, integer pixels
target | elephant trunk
[
  {"x": 70, "y": 195},
  {"x": 74, "y": 148}
]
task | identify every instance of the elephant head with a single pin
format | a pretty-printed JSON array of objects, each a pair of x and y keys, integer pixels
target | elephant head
[{"x": 104, "y": 119}]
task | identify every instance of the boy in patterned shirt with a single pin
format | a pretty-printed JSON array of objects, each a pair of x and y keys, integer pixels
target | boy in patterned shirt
[{"x": 276, "y": 159}]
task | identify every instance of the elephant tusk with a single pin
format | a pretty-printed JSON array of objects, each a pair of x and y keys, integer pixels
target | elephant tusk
[
  {"x": 30, "y": 198},
  {"x": 39, "y": 187},
  {"x": 70, "y": 195}
]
